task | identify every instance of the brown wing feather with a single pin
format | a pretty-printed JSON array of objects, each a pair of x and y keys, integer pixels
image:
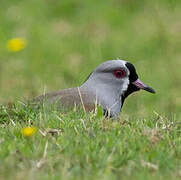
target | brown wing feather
[{"x": 68, "y": 98}]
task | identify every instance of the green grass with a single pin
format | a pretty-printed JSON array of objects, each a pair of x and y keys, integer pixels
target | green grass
[
  {"x": 66, "y": 40},
  {"x": 88, "y": 146}
]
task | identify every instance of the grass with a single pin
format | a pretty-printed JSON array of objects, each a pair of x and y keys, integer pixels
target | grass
[
  {"x": 87, "y": 146},
  {"x": 66, "y": 40}
]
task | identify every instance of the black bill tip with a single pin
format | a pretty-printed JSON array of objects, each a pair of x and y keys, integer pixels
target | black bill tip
[
  {"x": 139, "y": 84},
  {"x": 149, "y": 89}
]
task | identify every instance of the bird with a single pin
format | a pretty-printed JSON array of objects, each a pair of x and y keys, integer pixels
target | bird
[{"x": 108, "y": 85}]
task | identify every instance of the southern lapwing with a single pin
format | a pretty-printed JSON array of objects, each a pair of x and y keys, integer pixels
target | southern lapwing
[{"x": 108, "y": 85}]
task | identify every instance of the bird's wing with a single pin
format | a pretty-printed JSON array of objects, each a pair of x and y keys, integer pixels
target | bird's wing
[{"x": 68, "y": 98}]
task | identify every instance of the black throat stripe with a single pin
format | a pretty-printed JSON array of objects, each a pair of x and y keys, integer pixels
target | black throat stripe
[{"x": 132, "y": 76}]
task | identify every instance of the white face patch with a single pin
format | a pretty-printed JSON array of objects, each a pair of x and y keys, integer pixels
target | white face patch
[{"x": 125, "y": 85}]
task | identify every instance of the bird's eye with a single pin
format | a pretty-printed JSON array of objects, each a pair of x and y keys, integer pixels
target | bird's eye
[{"x": 119, "y": 73}]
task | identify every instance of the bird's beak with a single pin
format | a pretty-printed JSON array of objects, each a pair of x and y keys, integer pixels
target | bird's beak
[{"x": 139, "y": 84}]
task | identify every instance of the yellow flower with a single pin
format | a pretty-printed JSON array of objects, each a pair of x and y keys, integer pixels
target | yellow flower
[
  {"x": 16, "y": 44},
  {"x": 28, "y": 131}
]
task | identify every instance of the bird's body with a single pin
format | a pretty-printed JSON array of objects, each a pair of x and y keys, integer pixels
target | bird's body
[
  {"x": 69, "y": 98},
  {"x": 108, "y": 85}
]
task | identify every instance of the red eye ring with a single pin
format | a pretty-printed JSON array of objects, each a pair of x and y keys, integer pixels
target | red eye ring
[{"x": 119, "y": 73}]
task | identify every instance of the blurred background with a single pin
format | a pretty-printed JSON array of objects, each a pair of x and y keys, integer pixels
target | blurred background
[{"x": 53, "y": 44}]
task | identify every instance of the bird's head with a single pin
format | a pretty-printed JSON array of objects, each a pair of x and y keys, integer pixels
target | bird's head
[
  {"x": 118, "y": 76},
  {"x": 111, "y": 82}
]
